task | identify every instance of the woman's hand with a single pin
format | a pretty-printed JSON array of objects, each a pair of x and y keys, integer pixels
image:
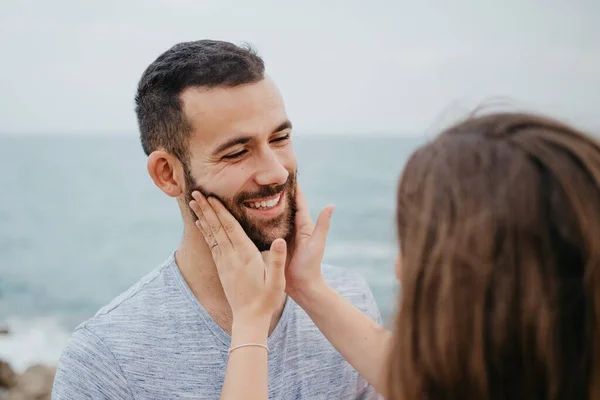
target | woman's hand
[
  {"x": 253, "y": 288},
  {"x": 303, "y": 274}
]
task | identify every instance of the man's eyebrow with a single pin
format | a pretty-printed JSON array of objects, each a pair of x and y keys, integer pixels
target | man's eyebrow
[
  {"x": 284, "y": 125},
  {"x": 232, "y": 142},
  {"x": 245, "y": 139}
]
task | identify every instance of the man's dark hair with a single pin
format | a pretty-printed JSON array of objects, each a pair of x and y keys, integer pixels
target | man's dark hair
[{"x": 202, "y": 63}]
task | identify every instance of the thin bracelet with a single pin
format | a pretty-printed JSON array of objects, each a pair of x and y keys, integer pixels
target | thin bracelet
[{"x": 248, "y": 344}]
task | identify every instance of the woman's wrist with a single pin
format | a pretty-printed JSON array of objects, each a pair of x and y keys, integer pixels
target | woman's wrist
[
  {"x": 308, "y": 294},
  {"x": 249, "y": 330}
]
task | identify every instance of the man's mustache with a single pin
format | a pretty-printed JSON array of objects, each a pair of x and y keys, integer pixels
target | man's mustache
[{"x": 265, "y": 191}]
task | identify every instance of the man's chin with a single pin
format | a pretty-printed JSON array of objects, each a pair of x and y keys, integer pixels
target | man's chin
[
  {"x": 262, "y": 235},
  {"x": 263, "y": 232},
  {"x": 263, "y": 242}
]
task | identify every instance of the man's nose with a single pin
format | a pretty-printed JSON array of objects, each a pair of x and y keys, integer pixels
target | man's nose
[{"x": 270, "y": 169}]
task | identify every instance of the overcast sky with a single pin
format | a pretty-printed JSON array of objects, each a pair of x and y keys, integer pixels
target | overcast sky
[{"x": 71, "y": 66}]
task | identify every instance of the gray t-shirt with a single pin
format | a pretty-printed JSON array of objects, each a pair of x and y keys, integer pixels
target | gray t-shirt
[{"x": 155, "y": 341}]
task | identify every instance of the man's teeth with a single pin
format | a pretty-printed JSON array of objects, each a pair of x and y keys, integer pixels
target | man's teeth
[{"x": 265, "y": 204}]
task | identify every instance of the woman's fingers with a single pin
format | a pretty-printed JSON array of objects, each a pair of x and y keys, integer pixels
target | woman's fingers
[
  {"x": 319, "y": 235},
  {"x": 304, "y": 223},
  {"x": 230, "y": 225},
  {"x": 202, "y": 225},
  {"x": 208, "y": 236},
  {"x": 276, "y": 265},
  {"x": 212, "y": 222}
]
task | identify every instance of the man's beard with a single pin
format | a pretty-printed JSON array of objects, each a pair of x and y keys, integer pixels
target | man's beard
[{"x": 262, "y": 234}]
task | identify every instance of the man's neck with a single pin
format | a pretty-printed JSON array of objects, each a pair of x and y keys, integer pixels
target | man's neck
[{"x": 194, "y": 259}]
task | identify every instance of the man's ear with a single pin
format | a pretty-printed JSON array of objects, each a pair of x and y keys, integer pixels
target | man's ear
[{"x": 166, "y": 172}]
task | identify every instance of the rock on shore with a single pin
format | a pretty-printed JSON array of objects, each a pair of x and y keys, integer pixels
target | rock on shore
[{"x": 33, "y": 384}]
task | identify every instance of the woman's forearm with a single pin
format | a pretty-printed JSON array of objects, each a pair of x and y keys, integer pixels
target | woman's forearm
[
  {"x": 360, "y": 340},
  {"x": 247, "y": 373}
]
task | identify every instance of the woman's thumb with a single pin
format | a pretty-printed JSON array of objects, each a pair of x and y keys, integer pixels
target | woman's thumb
[
  {"x": 276, "y": 266},
  {"x": 319, "y": 234}
]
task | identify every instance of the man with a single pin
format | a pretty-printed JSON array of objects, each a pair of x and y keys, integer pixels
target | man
[{"x": 211, "y": 120}]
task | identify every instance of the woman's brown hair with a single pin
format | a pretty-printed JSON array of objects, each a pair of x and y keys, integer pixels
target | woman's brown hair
[{"x": 499, "y": 230}]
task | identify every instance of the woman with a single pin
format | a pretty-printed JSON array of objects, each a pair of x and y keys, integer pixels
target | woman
[{"x": 498, "y": 221}]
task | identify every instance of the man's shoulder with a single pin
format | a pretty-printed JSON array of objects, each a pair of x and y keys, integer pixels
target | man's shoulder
[
  {"x": 343, "y": 280},
  {"x": 143, "y": 302},
  {"x": 153, "y": 318},
  {"x": 115, "y": 336}
]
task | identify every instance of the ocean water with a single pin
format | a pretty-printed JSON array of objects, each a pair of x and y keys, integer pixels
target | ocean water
[{"x": 81, "y": 221}]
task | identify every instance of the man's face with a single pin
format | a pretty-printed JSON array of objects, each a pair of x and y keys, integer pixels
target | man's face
[{"x": 241, "y": 153}]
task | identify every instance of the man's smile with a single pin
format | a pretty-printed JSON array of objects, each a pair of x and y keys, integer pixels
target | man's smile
[{"x": 270, "y": 206}]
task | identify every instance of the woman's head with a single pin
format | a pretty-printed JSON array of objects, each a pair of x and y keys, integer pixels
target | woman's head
[{"x": 499, "y": 229}]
